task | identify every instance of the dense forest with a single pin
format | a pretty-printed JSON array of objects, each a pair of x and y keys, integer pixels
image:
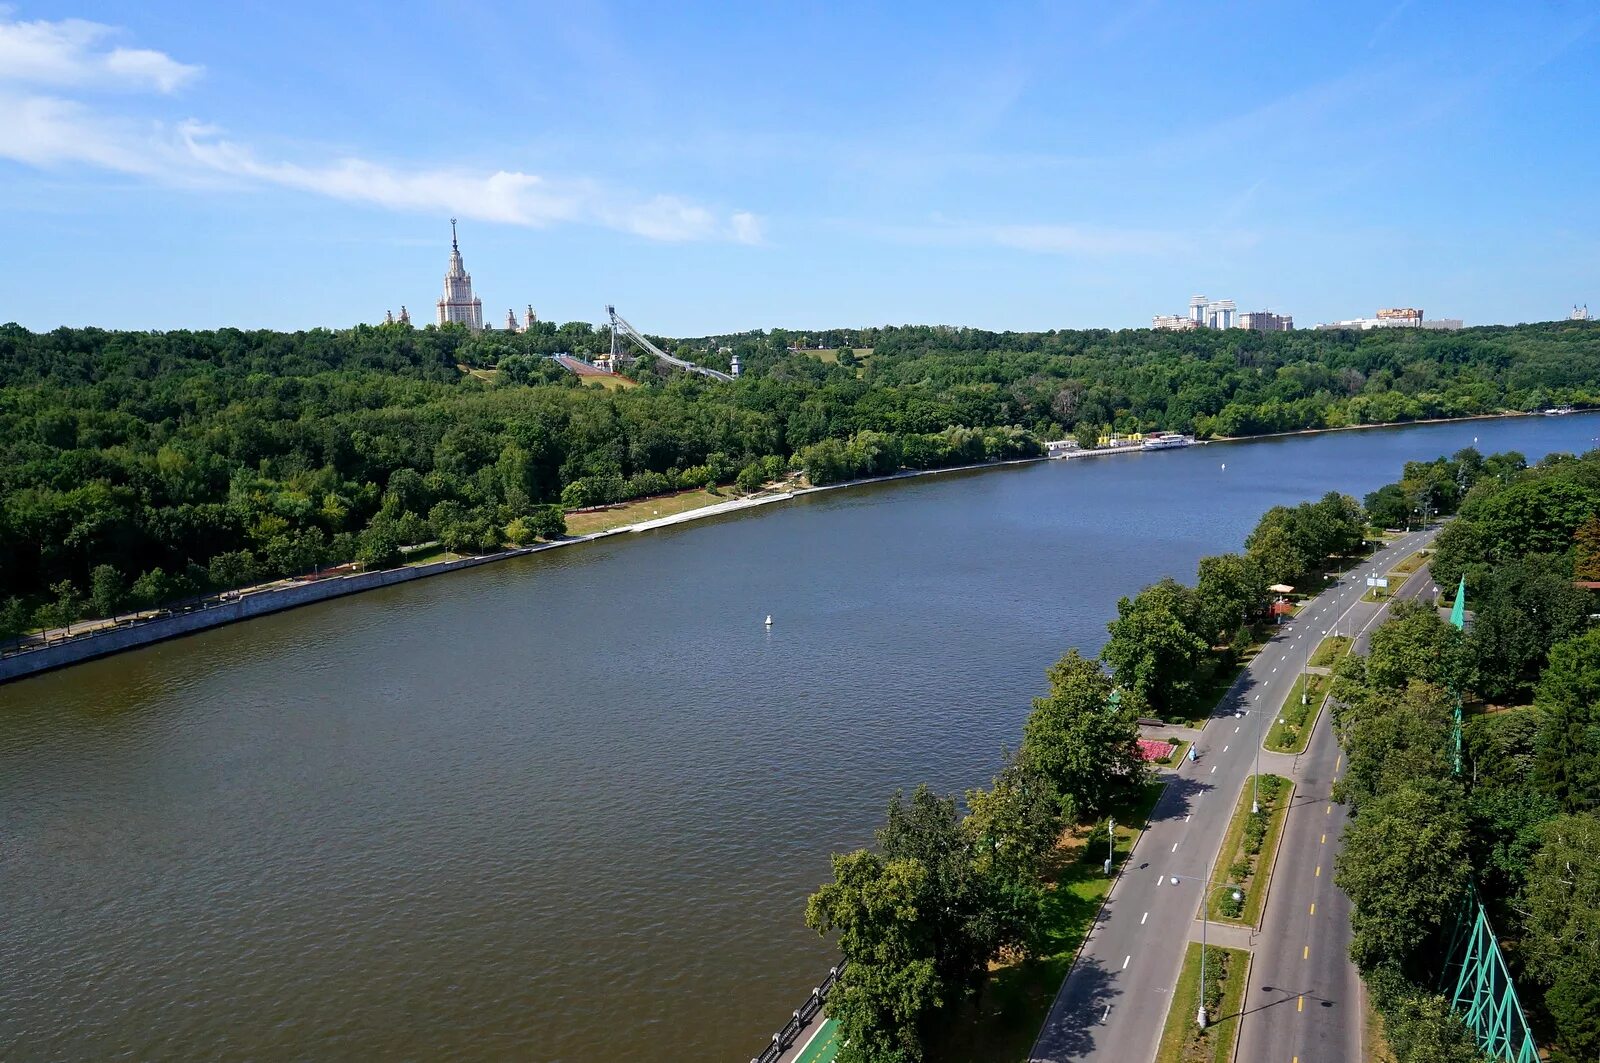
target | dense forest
[
  {"x": 140, "y": 467},
  {"x": 1517, "y": 818}
]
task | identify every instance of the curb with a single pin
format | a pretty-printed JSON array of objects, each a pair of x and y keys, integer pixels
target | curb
[{"x": 1238, "y": 1027}]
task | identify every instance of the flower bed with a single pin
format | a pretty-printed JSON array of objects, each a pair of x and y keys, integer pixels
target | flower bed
[{"x": 1155, "y": 749}]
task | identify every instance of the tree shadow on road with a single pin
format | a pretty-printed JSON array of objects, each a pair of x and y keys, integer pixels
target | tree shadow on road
[{"x": 1074, "y": 1025}]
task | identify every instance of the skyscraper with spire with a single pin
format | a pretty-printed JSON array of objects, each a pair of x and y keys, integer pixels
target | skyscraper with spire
[{"x": 458, "y": 304}]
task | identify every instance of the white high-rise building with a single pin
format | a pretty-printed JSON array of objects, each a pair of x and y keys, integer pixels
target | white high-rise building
[{"x": 458, "y": 305}]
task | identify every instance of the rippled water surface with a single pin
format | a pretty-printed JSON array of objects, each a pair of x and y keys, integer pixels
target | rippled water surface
[{"x": 569, "y": 807}]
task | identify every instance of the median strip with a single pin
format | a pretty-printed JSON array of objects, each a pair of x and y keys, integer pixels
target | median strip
[
  {"x": 1182, "y": 1039},
  {"x": 1251, "y": 837}
]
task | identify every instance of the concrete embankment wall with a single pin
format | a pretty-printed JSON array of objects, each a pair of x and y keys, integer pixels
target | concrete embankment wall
[{"x": 216, "y": 614}]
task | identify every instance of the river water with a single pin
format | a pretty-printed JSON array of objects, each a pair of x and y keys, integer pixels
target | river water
[{"x": 569, "y": 807}]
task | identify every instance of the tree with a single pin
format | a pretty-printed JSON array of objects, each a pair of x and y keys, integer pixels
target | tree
[
  {"x": 379, "y": 548},
  {"x": 1153, "y": 651},
  {"x": 1414, "y": 643},
  {"x": 1586, "y": 550},
  {"x": 1087, "y": 434},
  {"x": 1567, "y": 758},
  {"x": 1231, "y": 589},
  {"x": 1012, "y": 827},
  {"x": 548, "y": 522},
  {"x": 1562, "y": 946},
  {"x": 15, "y": 618},
  {"x": 1392, "y": 737},
  {"x": 891, "y": 984},
  {"x": 955, "y": 912},
  {"x": 1076, "y": 738},
  {"x": 105, "y": 590},
  {"x": 1524, "y": 607},
  {"x": 1404, "y": 866},
  {"x": 1277, "y": 554}
]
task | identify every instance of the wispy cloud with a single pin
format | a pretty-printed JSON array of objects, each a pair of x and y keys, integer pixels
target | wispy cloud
[
  {"x": 52, "y": 131},
  {"x": 75, "y": 53},
  {"x": 1047, "y": 238}
]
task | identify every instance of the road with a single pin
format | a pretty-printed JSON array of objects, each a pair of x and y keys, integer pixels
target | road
[
  {"x": 1302, "y": 1004},
  {"x": 1114, "y": 1001}
]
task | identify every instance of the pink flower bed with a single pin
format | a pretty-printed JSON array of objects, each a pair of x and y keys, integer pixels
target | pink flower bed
[{"x": 1151, "y": 749}]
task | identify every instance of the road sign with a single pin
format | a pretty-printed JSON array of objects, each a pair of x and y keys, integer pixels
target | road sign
[{"x": 1377, "y": 581}]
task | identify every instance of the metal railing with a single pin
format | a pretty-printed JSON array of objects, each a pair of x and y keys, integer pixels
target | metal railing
[{"x": 785, "y": 1038}]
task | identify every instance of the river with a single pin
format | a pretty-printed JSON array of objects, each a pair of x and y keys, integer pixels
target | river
[{"x": 568, "y": 807}]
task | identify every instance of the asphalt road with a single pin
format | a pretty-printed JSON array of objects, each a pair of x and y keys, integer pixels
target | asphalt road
[
  {"x": 1303, "y": 1003},
  {"x": 1114, "y": 1001}
]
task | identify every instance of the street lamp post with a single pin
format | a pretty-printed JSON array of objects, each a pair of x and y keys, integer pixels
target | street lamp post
[
  {"x": 1111, "y": 841},
  {"x": 1205, "y": 920}
]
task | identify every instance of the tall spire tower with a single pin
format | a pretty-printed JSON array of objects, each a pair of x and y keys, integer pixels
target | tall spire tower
[{"x": 458, "y": 304}]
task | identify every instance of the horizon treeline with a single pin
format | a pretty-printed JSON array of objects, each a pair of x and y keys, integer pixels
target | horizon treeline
[{"x": 145, "y": 466}]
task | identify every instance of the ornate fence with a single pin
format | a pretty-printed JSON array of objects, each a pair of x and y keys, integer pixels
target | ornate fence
[{"x": 784, "y": 1038}]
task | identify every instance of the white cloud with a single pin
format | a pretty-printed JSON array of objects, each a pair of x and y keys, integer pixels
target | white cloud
[
  {"x": 47, "y": 131},
  {"x": 73, "y": 53}
]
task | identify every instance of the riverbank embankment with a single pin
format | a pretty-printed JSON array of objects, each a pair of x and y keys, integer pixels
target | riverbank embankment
[{"x": 60, "y": 650}]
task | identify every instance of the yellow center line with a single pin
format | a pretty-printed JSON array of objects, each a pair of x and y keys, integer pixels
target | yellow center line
[
  {"x": 1319, "y": 871},
  {"x": 1328, "y": 811},
  {"x": 1300, "y": 1005},
  {"x": 1338, "y": 761},
  {"x": 1324, "y": 840},
  {"x": 1306, "y": 955},
  {"x": 1313, "y": 907}
]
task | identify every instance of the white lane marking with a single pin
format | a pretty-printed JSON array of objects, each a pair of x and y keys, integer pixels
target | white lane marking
[
  {"x": 1174, "y": 846},
  {"x": 1186, "y": 818},
  {"x": 1143, "y": 917},
  {"x": 1258, "y": 697},
  {"x": 1125, "y": 960},
  {"x": 1213, "y": 769},
  {"x": 1224, "y": 749},
  {"x": 1102, "y": 1018},
  {"x": 1235, "y": 730},
  {"x": 1274, "y": 669}
]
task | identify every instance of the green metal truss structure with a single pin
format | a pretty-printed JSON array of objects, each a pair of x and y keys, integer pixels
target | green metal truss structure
[
  {"x": 1458, "y": 620},
  {"x": 1484, "y": 995}
]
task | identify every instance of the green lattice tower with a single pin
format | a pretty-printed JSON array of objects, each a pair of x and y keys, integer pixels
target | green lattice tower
[
  {"x": 1458, "y": 619},
  {"x": 1484, "y": 995}
]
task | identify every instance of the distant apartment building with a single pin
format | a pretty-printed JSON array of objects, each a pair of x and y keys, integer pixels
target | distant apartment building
[
  {"x": 1266, "y": 321},
  {"x": 1401, "y": 317},
  {"x": 1203, "y": 313},
  {"x": 1395, "y": 317}
]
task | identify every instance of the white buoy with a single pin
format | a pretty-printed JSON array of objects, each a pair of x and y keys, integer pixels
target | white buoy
[
  {"x": 769, "y": 619},
  {"x": 1224, "y": 466}
]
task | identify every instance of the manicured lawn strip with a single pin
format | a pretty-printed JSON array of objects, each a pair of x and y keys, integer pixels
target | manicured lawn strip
[
  {"x": 1294, "y": 732},
  {"x": 1234, "y": 851},
  {"x": 1182, "y": 1040},
  {"x": 1331, "y": 649},
  {"x": 1410, "y": 564},
  {"x": 1013, "y": 1006},
  {"x": 642, "y": 510}
]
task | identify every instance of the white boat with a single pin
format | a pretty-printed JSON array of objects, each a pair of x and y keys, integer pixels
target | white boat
[
  {"x": 1557, "y": 411},
  {"x": 1166, "y": 441}
]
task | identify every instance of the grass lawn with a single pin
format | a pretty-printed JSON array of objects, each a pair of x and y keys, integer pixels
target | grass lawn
[
  {"x": 1227, "y": 973},
  {"x": 1292, "y": 734},
  {"x": 1332, "y": 648},
  {"x": 644, "y": 509},
  {"x": 1000, "y": 1027},
  {"x": 610, "y": 383},
  {"x": 1245, "y": 859},
  {"x": 425, "y": 556},
  {"x": 1410, "y": 564}
]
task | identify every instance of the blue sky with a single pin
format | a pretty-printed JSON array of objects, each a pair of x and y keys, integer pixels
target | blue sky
[{"x": 717, "y": 167}]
